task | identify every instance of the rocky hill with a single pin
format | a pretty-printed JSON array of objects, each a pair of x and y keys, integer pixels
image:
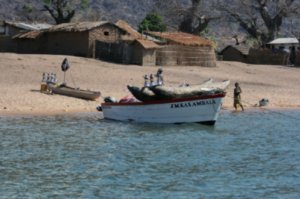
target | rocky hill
[
  {"x": 132, "y": 11},
  {"x": 31, "y": 10}
]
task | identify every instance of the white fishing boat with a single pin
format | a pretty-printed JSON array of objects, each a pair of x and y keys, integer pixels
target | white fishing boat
[{"x": 201, "y": 109}]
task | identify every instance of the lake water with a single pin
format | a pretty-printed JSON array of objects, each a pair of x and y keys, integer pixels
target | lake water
[{"x": 246, "y": 155}]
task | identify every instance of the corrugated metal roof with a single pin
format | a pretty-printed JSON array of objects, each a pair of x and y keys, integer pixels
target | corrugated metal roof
[
  {"x": 127, "y": 28},
  {"x": 182, "y": 38},
  {"x": 77, "y": 27},
  {"x": 285, "y": 41},
  {"x": 27, "y": 26},
  {"x": 147, "y": 44}
]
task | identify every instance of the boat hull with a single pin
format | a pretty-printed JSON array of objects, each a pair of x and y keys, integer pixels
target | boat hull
[
  {"x": 204, "y": 109},
  {"x": 209, "y": 87},
  {"x": 73, "y": 92}
]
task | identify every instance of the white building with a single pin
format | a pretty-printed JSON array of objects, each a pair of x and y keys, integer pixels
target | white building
[{"x": 285, "y": 43}]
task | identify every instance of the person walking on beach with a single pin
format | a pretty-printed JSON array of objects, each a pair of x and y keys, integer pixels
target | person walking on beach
[{"x": 237, "y": 96}]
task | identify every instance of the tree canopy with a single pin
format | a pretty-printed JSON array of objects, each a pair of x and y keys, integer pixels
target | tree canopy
[
  {"x": 62, "y": 11},
  {"x": 193, "y": 17},
  {"x": 261, "y": 19},
  {"x": 152, "y": 22}
]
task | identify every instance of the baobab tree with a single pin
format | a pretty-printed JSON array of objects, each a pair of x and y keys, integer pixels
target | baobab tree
[
  {"x": 261, "y": 19},
  {"x": 193, "y": 17},
  {"x": 62, "y": 11}
]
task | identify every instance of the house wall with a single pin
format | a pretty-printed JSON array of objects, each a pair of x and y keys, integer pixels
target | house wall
[
  {"x": 34, "y": 46},
  {"x": 232, "y": 54},
  {"x": 106, "y": 33},
  {"x": 112, "y": 52},
  {"x": 137, "y": 54},
  {"x": 67, "y": 43},
  {"x": 127, "y": 52},
  {"x": 142, "y": 56},
  {"x": 186, "y": 56},
  {"x": 2, "y": 30},
  {"x": 287, "y": 46},
  {"x": 298, "y": 58},
  {"x": 267, "y": 56},
  {"x": 7, "y": 44},
  {"x": 149, "y": 57}
]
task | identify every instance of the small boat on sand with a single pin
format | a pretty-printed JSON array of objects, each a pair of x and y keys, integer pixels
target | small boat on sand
[
  {"x": 74, "y": 92},
  {"x": 63, "y": 89}
]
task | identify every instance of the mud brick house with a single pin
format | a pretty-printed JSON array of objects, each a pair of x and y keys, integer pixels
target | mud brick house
[
  {"x": 183, "y": 49},
  {"x": 69, "y": 38},
  {"x": 9, "y": 29}
]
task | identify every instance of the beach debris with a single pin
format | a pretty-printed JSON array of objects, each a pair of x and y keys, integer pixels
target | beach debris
[
  {"x": 99, "y": 108},
  {"x": 263, "y": 102},
  {"x": 47, "y": 78},
  {"x": 127, "y": 99},
  {"x": 110, "y": 99}
]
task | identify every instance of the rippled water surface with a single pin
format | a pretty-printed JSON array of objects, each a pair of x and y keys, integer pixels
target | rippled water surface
[{"x": 246, "y": 155}]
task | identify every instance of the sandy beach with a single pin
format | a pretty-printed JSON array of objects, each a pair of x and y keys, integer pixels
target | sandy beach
[{"x": 21, "y": 76}]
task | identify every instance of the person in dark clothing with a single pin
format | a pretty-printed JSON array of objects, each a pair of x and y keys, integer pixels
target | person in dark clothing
[
  {"x": 237, "y": 96},
  {"x": 159, "y": 76},
  {"x": 293, "y": 55}
]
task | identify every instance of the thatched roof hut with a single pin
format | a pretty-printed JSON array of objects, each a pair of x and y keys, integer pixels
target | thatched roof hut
[
  {"x": 182, "y": 49},
  {"x": 235, "y": 53},
  {"x": 181, "y": 38},
  {"x": 144, "y": 52}
]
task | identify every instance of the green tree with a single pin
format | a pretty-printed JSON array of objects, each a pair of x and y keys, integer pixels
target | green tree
[
  {"x": 62, "y": 11},
  {"x": 152, "y": 22}
]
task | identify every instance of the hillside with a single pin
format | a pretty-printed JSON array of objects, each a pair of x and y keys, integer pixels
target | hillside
[
  {"x": 221, "y": 31},
  {"x": 111, "y": 10}
]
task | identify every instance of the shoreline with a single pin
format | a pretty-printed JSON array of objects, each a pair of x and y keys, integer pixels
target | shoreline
[
  {"x": 85, "y": 112},
  {"x": 21, "y": 76}
]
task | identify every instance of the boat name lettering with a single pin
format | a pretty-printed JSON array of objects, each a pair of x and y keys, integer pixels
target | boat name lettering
[{"x": 193, "y": 104}]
